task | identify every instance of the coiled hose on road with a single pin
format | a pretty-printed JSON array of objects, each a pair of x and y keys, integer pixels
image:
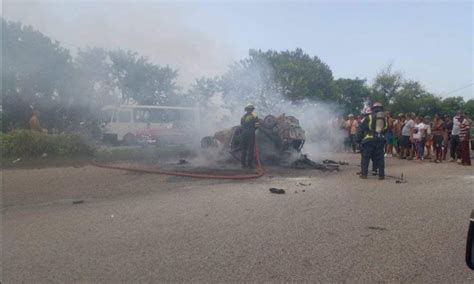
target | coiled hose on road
[{"x": 259, "y": 171}]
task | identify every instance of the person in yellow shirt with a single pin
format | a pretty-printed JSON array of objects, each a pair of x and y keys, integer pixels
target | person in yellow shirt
[{"x": 353, "y": 128}]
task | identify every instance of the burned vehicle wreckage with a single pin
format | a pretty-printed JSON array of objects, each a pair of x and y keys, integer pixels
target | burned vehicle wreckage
[{"x": 280, "y": 140}]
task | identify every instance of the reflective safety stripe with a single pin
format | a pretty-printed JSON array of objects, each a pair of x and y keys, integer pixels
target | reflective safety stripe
[
  {"x": 250, "y": 117},
  {"x": 369, "y": 134}
]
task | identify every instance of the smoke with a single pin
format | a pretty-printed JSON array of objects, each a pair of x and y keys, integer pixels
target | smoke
[
  {"x": 164, "y": 32},
  {"x": 167, "y": 34},
  {"x": 321, "y": 121}
]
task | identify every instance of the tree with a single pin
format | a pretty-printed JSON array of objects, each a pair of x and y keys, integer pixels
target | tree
[
  {"x": 412, "y": 97},
  {"x": 299, "y": 75},
  {"x": 451, "y": 105},
  {"x": 267, "y": 78},
  {"x": 386, "y": 85},
  {"x": 351, "y": 94},
  {"x": 469, "y": 108},
  {"x": 142, "y": 81},
  {"x": 37, "y": 73},
  {"x": 95, "y": 78},
  {"x": 202, "y": 90}
]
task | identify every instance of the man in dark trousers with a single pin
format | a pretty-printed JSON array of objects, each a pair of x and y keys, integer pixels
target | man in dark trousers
[
  {"x": 248, "y": 123},
  {"x": 371, "y": 136}
]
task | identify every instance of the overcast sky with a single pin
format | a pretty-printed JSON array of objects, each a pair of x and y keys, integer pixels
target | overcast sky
[{"x": 429, "y": 41}]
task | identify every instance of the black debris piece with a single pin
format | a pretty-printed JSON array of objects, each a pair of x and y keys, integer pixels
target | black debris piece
[
  {"x": 306, "y": 163},
  {"x": 376, "y": 228},
  {"x": 277, "y": 190},
  {"x": 78, "y": 202},
  {"x": 342, "y": 163}
]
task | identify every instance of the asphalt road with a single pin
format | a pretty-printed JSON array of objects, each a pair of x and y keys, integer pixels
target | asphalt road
[{"x": 134, "y": 227}]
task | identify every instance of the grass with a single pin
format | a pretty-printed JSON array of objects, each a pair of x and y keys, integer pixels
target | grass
[{"x": 110, "y": 154}]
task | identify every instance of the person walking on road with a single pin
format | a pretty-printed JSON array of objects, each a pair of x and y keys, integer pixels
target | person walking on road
[
  {"x": 371, "y": 135},
  {"x": 248, "y": 123}
]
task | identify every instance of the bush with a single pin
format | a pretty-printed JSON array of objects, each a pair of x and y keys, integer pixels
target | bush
[{"x": 26, "y": 143}]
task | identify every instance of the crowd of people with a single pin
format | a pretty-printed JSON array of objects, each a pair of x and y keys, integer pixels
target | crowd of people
[{"x": 414, "y": 137}]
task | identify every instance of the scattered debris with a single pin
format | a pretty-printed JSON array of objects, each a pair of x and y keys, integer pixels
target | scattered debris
[
  {"x": 296, "y": 191},
  {"x": 305, "y": 163},
  {"x": 303, "y": 190},
  {"x": 44, "y": 155},
  {"x": 183, "y": 162},
  {"x": 303, "y": 184},
  {"x": 342, "y": 163},
  {"x": 78, "y": 202},
  {"x": 16, "y": 161},
  {"x": 277, "y": 190},
  {"x": 376, "y": 228}
]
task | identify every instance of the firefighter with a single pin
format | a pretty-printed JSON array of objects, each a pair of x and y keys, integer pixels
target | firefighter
[
  {"x": 248, "y": 123},
  {"x": 371, "y": 135}
]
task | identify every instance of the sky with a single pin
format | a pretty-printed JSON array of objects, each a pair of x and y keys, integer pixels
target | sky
[{"x": 428, "y": 41}]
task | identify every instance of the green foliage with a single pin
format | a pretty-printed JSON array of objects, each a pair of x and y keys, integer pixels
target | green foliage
[
  {"x": 351, "y": 94},
  {"x": 26, "y": 143},
  {"x": 299, "y": 75},
  {"x": 36, "y": 73},
  {"x": 469, "y": 108},
  {"x": 452, "y": 104},
  {"x": 202, "y": 90},
  {"x": 40, "y": 74},
  {"x": 141, "y": 80},
  {"x": 386, "y": 85}
]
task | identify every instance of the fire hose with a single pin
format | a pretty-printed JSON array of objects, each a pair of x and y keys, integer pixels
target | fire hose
[{"x": 259, "y": 171}]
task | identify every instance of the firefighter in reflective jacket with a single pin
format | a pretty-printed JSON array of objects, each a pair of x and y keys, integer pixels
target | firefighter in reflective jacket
[
  {"x": 248, "y": 123},
  {"x": 371, "y": 136}
]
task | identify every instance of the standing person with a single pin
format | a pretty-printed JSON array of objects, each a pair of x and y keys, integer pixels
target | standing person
[
  {"x": 249, "y": 123},
  {"x": 439, "y": 136},
  {"x": 464, "y": 138},
  {"x": 454, "y": 149},
  {"x": 397, "y": 132},
  {"x": 35, "y": 122},
  {"x": 389, "y": 135},
  {"x": 418, "y": 137},
  {"x": 428, "y": 136},
  {"x": 371, "y": 134},
  {"x": 406, "y": 141},
  {"x": 353, "y": 127},
  {"x": 448, "y": 124},
  {"x": 347, "y": 129}
]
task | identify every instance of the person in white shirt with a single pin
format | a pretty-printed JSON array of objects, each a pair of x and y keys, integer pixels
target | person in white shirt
[{"x": 419, "y": 135}]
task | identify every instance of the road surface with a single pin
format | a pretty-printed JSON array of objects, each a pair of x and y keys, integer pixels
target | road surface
[{"x": 328, "y": 227}]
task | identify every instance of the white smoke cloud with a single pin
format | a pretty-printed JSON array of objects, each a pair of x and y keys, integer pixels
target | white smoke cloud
[{"x": 160, "y": 31}]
